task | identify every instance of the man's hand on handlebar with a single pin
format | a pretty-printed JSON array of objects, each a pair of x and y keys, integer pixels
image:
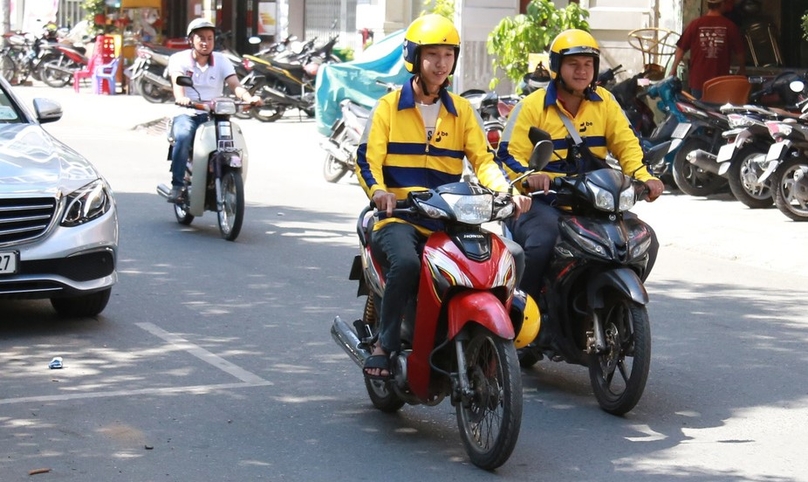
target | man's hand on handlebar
[
  {"x": 522, "y": 204},
  {"x": 184, "y": 101},
  {"x": 537, "y": 182},
  {"x": 655, "y": 188},
  {"x": 384, "y": 201}
]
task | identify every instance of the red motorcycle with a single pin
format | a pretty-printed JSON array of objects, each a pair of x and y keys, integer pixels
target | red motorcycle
[
  {"x": 467, "y": 315},
  {"x": 59, "y": 71}
]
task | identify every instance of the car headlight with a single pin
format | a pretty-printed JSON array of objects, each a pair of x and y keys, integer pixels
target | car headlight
[
  {"x": 471, "y": 209},
  {"x": 224, "y": 107},
  {"x": 86, "y": 203}
]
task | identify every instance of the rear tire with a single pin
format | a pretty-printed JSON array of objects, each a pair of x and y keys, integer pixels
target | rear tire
[
  {"x": 53, "y": 72},
  {"x": 269, "y": 112},
  {"x": 333, "y": 169},
  {"x": 8, "y": 68},
  {"x": 380, "y": 392},
  {"x": 183, "y": 216},
  {"x": 231, "y": 214},
  {"x": 743, "y": 175},
  {"x": 489, "y": 422},
  {"x": 689, "y": 178},
  {"x": 151, "y": 92}
]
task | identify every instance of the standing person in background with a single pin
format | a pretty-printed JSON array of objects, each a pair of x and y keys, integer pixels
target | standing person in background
[{"x": 712, "y": 39}]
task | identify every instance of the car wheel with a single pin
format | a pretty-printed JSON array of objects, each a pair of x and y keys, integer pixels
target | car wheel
[{"x": 82, "y": 305}]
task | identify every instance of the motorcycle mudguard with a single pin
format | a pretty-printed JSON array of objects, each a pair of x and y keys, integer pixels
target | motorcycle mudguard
[
  {"x": 204, "y": 145},
  {"x": 624, "y": 280},
  {"x": 481, "y": 307},
  {"x": 468, "y": 306}
]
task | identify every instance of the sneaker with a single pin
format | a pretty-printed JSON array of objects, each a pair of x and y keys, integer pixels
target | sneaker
[{"x": 175, "y": 196}]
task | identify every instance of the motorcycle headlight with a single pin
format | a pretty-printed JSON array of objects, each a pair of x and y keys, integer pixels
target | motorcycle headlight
[
  {"x": 603, "y": 199},
  {"x": 224, "y": 107},
  {"x": 627, "y": 199},
  {"x": 475, "y": 209},
  {"x": 86, "y": 203}
]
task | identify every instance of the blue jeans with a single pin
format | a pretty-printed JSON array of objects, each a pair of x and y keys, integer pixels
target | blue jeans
[
  {"x": 183, "y": 129},
  {"x": 398, "y": 247}
]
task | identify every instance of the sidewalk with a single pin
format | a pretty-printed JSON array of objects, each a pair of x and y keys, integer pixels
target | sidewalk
[{"x": 105, "y": 111}]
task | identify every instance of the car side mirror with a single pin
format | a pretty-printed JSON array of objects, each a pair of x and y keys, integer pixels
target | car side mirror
[{"x": 47, "y": 110}]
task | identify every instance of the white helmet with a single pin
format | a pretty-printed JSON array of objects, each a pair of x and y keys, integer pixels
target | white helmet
[{"x": 199, "y": 23}]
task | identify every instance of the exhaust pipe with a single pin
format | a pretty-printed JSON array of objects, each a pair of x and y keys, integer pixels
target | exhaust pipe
[
  {"x": 345, "y": 337},
  {"x": 334, "y": 150},
  {"x": 157, "y": 80},
  {"x": 163, "y": 190},
  {"x": 704, "y": 160}
]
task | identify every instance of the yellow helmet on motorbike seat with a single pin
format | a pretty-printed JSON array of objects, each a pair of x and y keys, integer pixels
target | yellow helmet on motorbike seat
[
  {"x": 431, "y": 29},
  {"x": 573, "y": 42}
]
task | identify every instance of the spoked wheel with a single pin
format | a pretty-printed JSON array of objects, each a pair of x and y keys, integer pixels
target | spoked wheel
[
  {"x": 8, "y": 68},
  {"x": 380, "y": 392},
  {"x": 58, "y": 73},
  {"x": 619, "y": 373},
  {"x": 333, "y": 169},
  {"x": 231, "y": 213},
  {"x": 691, "y": 179},
  {"x": 791, "y": 188},
  {"x": 490, "y": 416},
  {"x": 743, "y": 175}
]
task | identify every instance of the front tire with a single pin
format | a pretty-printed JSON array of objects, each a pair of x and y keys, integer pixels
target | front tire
[
  {"x": 791, "y": 188},
  {"x": 82, "y": 305},
  {"x": 691, "y": 179},
  {"x": 489, "y": 420},
  {"x": 743, "y": 175},
  {"x": 231, "y": 214},
  {"x": 618, "y": 374}
]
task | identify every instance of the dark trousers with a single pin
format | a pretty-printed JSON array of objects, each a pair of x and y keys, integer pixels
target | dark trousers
[
  {"x": 537, "y": 231},
  {"x": 398, "y": 247}
]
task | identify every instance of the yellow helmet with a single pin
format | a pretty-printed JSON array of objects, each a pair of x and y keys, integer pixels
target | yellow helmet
[
  {"x": 431, "y": 29},
  {"x": 573, "y": 42}
]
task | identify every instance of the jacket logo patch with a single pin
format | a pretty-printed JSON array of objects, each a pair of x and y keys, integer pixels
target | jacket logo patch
[
  {"x": 584, "y": 125},
  {"x": 440, "y": 135}
]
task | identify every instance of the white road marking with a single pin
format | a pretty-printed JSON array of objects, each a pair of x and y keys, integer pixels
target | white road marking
[
  {"x": 249, "y": 379},
  {"x": 202, "y": 354}
]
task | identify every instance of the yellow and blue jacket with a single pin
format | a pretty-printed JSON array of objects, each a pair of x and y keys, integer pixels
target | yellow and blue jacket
[
  {"x": 395, "y": 155},
  {"x": 601, "y": 123}
]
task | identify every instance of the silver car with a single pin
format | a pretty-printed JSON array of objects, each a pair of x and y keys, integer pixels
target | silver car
[{"x": 58, "y": 220}]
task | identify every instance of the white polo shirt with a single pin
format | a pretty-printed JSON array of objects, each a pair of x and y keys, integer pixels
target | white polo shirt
[{"x": 208, "y": 80}]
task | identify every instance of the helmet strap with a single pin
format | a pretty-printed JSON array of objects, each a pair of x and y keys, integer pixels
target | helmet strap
[{"x": 425, "y": 89}]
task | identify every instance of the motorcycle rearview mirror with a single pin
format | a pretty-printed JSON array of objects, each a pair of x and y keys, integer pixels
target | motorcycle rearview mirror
[
  {"x": 540, "y": 157},
  {"x": 185, "y": 81}
]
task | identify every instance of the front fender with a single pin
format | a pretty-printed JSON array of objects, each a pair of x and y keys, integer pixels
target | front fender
[
  {"x": 481, "y": 307},
  {"x": 623, "y": 280}
]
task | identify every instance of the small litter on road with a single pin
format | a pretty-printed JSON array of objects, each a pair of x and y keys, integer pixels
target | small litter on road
[{"x": 55, "y": 363}]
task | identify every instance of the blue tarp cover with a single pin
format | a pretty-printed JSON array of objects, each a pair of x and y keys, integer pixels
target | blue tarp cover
[{"x": 356, "y": 80}]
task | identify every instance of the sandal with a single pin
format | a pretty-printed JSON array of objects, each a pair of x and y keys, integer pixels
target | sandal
[{"x": 380, "y": 362}]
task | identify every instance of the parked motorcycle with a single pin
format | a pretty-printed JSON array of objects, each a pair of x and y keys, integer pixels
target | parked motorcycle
[
  {"x": 460, "y": 343},
  {"x": 593, "y": 304},
  {"x": 743, "y": 159},
  {"x": 286, "y": 84},
  {"x": 341, "y": 145},
  {"x": 149, "y": 72},
  {"x": 787, "y": 165},
  {"x": 217, "y": 168},
  {"x": 68, "y": 59}
]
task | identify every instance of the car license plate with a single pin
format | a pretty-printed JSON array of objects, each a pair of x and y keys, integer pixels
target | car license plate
[
  {"x": 726, "y": 152},
  {"x": 776, "y": 151},
  {"x": 9, "y": 262},
  {"x": 681, "y": 130}
]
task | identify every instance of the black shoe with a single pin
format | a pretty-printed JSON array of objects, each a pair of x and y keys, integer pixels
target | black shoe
[{"x": 176, "y": 195}]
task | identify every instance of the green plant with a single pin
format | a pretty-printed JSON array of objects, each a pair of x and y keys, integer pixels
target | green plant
[
  {"x": 805, "y": 26},
  {"x": 514, "y": 38},
  {"x": 445, "y": 8},
  {"x": 93, "y": 8}
]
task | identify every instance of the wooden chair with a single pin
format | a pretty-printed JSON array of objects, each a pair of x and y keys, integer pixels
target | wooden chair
[{"x": 733, "y": 89}]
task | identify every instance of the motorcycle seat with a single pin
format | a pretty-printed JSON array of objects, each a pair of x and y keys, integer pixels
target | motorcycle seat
[{"x": 294, "y": 68}]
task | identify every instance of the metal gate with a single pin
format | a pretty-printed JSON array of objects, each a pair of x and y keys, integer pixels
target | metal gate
[
  {"x": 69, "y": 13},
  {"x": 325, "y": 18}
]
